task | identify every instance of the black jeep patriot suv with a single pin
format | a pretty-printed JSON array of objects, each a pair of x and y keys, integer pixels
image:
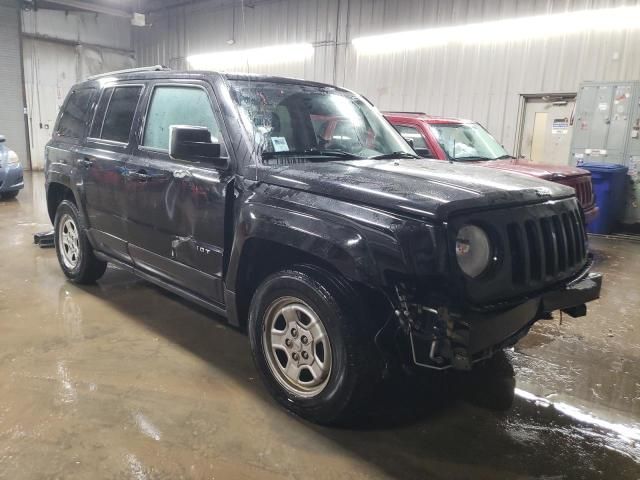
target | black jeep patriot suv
[{"x": 340, "y": 251}]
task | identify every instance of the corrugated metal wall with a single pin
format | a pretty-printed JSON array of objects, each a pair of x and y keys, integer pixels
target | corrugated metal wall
[
  {"x": 483, "y": 82},
  {"x": 61, "y": 49},
  {"x": 12, "y": 113},
  {"x": 207, "y": 27},
  {"x": 88, "y": 28}
]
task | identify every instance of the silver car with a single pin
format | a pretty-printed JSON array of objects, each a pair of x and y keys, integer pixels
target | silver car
[{"x": 11, "y": 180}]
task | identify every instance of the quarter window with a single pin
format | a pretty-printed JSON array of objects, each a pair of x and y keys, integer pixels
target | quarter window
[
  {"x": 74, "y": 116},
  {"x": 178, "y": 106}
]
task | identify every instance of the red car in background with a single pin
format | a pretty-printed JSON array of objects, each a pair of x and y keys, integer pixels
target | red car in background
[{"x": 466, "y": 141}]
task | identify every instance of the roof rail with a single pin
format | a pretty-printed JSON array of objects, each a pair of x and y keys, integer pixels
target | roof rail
[
  {"x": 410, "y": 113},
  {"x": 154, "y": 68}
]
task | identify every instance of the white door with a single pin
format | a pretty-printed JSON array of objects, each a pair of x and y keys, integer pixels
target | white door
[
  {"x": 546, "y": 130},
  {"x": 50, "y": 70}
]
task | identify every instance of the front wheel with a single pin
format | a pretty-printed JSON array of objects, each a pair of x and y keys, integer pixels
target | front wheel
[
  {"x": 310, "y": 346},
  {"x": 74, "y": 251}
]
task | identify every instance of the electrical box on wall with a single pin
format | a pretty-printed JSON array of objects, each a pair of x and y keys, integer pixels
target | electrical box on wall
[
  {"x": 607, "y": 130},
  {"x": 138, "y": 20}
]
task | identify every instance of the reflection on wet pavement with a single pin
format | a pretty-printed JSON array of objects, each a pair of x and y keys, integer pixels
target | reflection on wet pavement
[{"x": 122, "y": 380}]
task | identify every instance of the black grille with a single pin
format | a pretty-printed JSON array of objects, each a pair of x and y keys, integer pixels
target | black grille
[
  {"x": 546, "y": 248},
  {"x": 536, "y": 246}
]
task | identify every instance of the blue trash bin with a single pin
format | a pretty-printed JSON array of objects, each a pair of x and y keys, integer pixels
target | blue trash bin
[{"x": 609, "y": 185}]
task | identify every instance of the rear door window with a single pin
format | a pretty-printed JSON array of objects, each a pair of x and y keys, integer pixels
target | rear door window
[
  {"x": 115, "y": 113},
  {"x": 178, "y": 106},
  {"x": 75, "y": 113}
]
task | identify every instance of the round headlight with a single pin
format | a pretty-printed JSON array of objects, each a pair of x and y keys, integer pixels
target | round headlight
[{"x": 473, "y": 250}]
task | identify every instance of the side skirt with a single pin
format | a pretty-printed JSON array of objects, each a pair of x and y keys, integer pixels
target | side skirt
[{"x": 186, "y": 294}]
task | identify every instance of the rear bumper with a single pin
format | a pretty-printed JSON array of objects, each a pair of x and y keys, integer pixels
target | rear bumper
[
  {"x": 471, "y": 336},
  {"x": 11, "y": 179}
]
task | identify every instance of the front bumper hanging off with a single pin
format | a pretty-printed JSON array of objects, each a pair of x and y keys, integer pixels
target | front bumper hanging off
[{"x": 458, "y": 339}]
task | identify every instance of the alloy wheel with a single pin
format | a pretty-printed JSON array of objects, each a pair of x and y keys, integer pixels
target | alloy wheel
[
  {"x": 69, "y": 242},
  {"x": 297, "y": 347}
]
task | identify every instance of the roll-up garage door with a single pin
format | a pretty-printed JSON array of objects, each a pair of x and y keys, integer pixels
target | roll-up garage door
[{"x": 12, "y": 124}]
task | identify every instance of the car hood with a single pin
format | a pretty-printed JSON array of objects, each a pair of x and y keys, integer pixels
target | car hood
[
  {"x": 548, "y": 172},
  {"x": 428, "y": 188}
]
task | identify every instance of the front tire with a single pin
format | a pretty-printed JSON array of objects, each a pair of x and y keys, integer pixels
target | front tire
[
  {"x": 73, "y": 249},
  {"x": 310, "y": 345}
]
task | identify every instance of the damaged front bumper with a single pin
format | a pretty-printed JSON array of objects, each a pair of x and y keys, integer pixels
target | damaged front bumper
[{"x": 445, "y": 338}]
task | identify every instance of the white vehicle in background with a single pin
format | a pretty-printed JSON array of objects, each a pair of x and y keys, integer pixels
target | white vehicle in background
[{"x": 11, "y": 173}]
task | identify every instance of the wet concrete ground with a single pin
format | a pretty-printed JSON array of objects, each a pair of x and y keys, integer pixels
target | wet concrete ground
[{"x": 122, "y": 380}]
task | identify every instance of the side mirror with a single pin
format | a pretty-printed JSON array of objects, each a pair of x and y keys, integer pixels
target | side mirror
[
  {"x": 2, "y": 139},
  {"x": 193, "y": 144}
]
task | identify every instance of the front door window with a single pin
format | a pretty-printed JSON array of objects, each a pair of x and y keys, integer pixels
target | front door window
[{"x": 178, "y": 106}]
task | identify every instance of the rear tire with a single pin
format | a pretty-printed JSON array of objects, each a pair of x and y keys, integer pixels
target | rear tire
[
  {"x": 341, "y": 374},
  {"x": 73, "y": 249},
  {"x": 9, "y": 195}
]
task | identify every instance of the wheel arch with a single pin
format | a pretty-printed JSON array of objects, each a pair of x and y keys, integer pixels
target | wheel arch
[
  {"x": 261, "y": 257},
  {"x": 57, "y": 191}
]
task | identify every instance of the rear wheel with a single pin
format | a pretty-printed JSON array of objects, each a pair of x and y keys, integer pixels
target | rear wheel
[
  {"x": 74, "y": 251},
  {"x": 310, "y": 346}
]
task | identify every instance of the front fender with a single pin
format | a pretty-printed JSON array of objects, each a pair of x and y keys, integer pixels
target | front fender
[
  {"x": 340, "y": 245},
  {"x": 375, "y": 248}
]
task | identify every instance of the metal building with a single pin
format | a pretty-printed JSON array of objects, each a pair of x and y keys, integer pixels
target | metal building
[{"x": 490, "y": 82}]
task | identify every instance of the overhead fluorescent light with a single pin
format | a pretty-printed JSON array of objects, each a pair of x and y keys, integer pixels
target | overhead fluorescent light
[
  {"x": 293, "y": 52},
  {"x": 509, "y": 30}
]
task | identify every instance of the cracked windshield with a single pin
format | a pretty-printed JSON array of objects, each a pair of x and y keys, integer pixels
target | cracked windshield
[{"x": 302, "y": 121}]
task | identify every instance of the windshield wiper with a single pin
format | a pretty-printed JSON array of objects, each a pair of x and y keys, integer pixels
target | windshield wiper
[
  {"x": 387, "y": 156},
  {"x": 504, "y": 157},
  {"x": 472, "y": 159},
  {"x": 310, "y": 152}
]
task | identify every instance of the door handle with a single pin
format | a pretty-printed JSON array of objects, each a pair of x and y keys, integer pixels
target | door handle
[
  {"x": 139, "y": 175},
  {"x": 84, "y": 162}
]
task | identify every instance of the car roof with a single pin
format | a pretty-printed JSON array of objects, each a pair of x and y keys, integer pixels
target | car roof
[
  {"x": 155, "y": 73},
  {"x": 423, "y": 117}
]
